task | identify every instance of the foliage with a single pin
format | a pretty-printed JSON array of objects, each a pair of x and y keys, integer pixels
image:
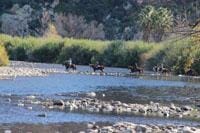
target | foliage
[
  {"x": 179, "y": 56},
  {"x": 3, "y": 56},
  {"x": 77, "y": 27},
  {"x": 155, "y": 21},
  {"x": 115, "y": 15},
  {"x": 163, "y": 21},
  {"x": 47, "y": 53},
  {"x": 146, "y": 21},
  {"x": 80, "y": 55},
  {"x": 195, "y": 35}
]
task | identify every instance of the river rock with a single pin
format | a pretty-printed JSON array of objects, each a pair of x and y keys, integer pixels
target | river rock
[
  {"x": 42, "y": 115},
  {"x": 7, "y": 131},
  {"x": 142, "y": 110},
  {"x": 58, "y": 103},
  {"x": 107, "y": 108},
  {"x": 142, "y": 129},
  {"x": 91, "y": 94},
  {"x": 186, "y": 108},
  {"x": 172, "y": 106},
  {"x": 31, "y": 97},
  {"x": 187, "y": 130}
]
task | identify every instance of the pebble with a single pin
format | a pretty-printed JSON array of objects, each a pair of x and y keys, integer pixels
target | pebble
[
  {"x": 58, "y": 103},
  {"x": 91, "y": 94},
  {"x": 42, "y": 115},
  {"x": 20, "y": 104},
  {"x": 7, "y": 131},
  {"x": 30, "y": 108}
]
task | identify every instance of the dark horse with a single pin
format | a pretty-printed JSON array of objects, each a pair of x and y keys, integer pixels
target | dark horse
[
  {"x": 191, "y": 72},
  {"x": 161, "y": 69},
  {"x": 68, "y": 66},
  {"x": 135, "y": 68},
  {"x": 97, "y": 67}
]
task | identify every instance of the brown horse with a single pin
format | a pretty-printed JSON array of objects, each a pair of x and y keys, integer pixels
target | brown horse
[
  {"x": 97, "y": 67},
  {"x": 68, "y": 66},
  {"x": 136, "y": 69}
]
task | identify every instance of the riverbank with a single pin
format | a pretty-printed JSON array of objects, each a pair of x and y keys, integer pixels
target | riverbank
[
  {"x": 125, "y": 127},
  {"x": 25, "y": 69}
]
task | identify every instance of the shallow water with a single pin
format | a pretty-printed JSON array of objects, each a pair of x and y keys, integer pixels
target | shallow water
[
  {"x": 64, "y": 83},
  {"x": 55, "y": 84}
]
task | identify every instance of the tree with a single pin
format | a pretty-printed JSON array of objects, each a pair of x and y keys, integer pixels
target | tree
[
  {"x": 77, "y": 27},
  {"x": 146, "y": 21},
  {"x": 163, "y": 21},
  {"x": 155, "y": 22}
]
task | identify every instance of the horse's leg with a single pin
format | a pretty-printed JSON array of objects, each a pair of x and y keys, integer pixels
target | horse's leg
[{"x": 67, "y": 68}]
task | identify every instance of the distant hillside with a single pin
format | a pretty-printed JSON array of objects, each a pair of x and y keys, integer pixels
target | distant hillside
[{"x": 94, "y": 19}]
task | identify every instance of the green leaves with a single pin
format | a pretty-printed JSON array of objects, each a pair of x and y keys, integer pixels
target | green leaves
[{"x": 155, "y": 21}]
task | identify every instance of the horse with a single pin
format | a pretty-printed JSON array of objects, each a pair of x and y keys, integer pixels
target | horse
[
  {"x": 190, "y": 72},
  {"x": 97, "y": 67},
  {"x": 165, "y": 70},
  {"x": 161, "y": 69},
  {"x": 68, "y": 66},
  {"x": 136, "y": 69},
  {"x": 157, "y": 69}
]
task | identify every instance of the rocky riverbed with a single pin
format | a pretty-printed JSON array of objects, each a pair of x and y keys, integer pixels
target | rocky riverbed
[
  {"x": 93, "y": 105},
  {"x": 125, "y": 127},
  {"x": 92, "y": 127},
  {"x": 24, "y": 69}
]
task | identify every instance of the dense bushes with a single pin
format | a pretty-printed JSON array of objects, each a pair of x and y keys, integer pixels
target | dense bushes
[
  {"x": 47, "y": 53},
  {"x": 179, "y": 56},
  {"x": 3, "y": 56},
  {"x": 109, "y": 53},
  {"x": 79, "y": 54}
]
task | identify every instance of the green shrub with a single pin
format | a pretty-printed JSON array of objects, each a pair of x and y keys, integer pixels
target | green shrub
[
  {"x": 47, "y": 53},
  {"x": 3, "y": 56},
  {"x": 79, "y": 54},
  {"x": 113, "y": 55},
  {"x": 196, "y": 63}
]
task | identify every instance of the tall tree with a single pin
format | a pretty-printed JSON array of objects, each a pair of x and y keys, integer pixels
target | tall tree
[
  {"x": 146, "y": 21},
  {"x": 163, "y": 21},
  {"x": 155, "y": 22}
]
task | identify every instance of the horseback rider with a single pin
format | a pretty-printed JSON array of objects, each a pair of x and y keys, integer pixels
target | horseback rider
[
  {"x": 97, "y": 64},
  {"x": 70, "y": 61}
]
